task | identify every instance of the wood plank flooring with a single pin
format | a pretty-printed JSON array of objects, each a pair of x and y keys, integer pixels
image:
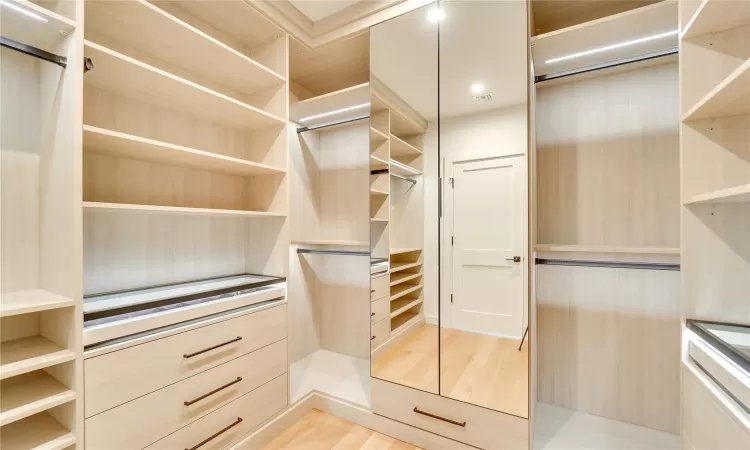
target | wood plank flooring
[{"x": 321, "y": 431}]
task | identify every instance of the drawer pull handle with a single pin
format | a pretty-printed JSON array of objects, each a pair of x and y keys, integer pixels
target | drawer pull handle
[
  {"x": 372, "y": 291},
  {"x": 208, "y": 394},
  {"x": 190, "y": 355},
  {"x": 372, "y": 314},
  {"x": 213, "y": 436},
  {"x": 372, "y": 338},
  {"x": 453, "y": 422}
]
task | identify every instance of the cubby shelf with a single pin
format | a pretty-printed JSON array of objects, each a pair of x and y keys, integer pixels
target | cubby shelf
[
  {"x": 29, "y": 394},
  {"x": 717, "y": 15},
  {"x": 400, "y": 148},
  {"x": 122, "y": 75},
  {"x": 398, "y": 251},
  {"x": 113, "y": 143},
  {"x": 179, "y": 43},
  {"x": 377, "y": 219},
  {"x": 606, "y": 249},
  {"x": 377, "y": 135},
  {"x": 379, "y": 163},
  {"x": 33, "y": 300},
  {"x": 38, "y": 432},
  {"x": 403, "y": 305},
  {"x": 345, "y": 104},
  {"x": 25, "y": 355},
  {"x": 180, "y": 210},
  {"x": 731, "y": 97},
  {"x": 398, "y": 267},
  {"x": 403, "y": 321},
  {"x": 737, "y": 194},
  {"x": 45, "y": 34},
  {"x": 402, "y": 169},
  {"x": 399, "y": 278},
  {"x": 404, "y": 289},
  {"x": 377, "y": 192}
]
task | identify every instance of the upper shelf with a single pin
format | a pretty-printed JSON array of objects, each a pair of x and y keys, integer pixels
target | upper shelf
[
  {"x": 31, "y": 353},
  {"x": 717, "y": 15},
  {"x": 377, "y": 135},
  {"x": 29, "y": 394},
  {"x": 643, "y": 30},
  {"x": 122, "y": 75},
  {"x": 35, "y": 26},
  {"x": 33, "y": 300},
  {"x": 402, "y": 169},
  {"x": 346, "y": 104},
  {"x": 180, "y": 210},
  {"x": 144, "y": 26},
  {"x": 730, "y": 98},
  {"x": 606, "y": 249},
  {"x": 737, "y": 194},
  {"x": 400, "y": 148}
]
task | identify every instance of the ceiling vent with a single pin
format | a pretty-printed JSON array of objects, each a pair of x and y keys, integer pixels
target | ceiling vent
[{"x": 487, "y": 96}]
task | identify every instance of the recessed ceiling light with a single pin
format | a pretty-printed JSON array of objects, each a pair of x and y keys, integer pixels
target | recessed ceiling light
[
  {"x": 477, "y": 88},
  {"x": 25, "y": 11},
  {"x": 331, "y": 113},
  {"x": 613, "y": 47},
  {"x": 435, "y": 15}
]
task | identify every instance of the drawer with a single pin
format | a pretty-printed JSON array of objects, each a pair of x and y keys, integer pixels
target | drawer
[
  {"x": 381, "y": 331},
  {"x": 253, "y": 408},
  {"x": 380, "y": 287},
  {"x": 380, "y": 309},
  {"x": 147, "y": 419},
  {"x": 114, "y": 378},
  {"x": 484, "y": 428}
]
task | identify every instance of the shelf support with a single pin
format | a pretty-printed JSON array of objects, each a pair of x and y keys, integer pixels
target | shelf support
[{"x": 33, "y": 51}]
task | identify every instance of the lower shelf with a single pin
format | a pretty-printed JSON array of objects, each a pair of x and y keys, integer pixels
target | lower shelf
[
  {"x": 403, "y": 305},
  {"x": 28, "y": 354},
  {"x": 38, "y": 432},
  {"x": 403, "y": 321},
  {"x": 29, "y": 394},
  {"x": 403, "y": 289}
]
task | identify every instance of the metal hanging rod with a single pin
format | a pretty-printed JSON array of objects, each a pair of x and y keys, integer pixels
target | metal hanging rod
[
  {"x": 303, "y": 129},
  {"x": 61, "y": 61},
  {"x": 333, "y": 252},
  {"x": 607, "y": 65},
  {"x": 607, "y": 264},
  {"x": 404, "y": 178}
]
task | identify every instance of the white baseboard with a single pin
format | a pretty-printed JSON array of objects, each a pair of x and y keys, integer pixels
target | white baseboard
[{"x": 431, "y": 320}]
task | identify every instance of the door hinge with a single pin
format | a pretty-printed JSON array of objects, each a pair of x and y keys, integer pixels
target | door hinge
[{"x": 451, "y": 298}]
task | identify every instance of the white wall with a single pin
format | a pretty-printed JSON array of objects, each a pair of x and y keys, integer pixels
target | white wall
[{"x": 499, "y": 132}]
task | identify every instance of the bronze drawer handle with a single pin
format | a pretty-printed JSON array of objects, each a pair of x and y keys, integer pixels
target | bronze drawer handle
[
  {"x": 372, "y": 338},
  {"x": 213, "y": 436},
  {"x": 372, "y": 314},
  {"x": 190, "y": 355},
  {"x": 453, "y": 422},
  {"x": 208, "y": 394}
]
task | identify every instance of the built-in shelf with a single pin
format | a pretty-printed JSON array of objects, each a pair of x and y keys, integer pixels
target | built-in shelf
[
  {"x": 122, "y": 75},
  {"x": 322, "y": 242},
  {"x": 639, "y": 23},
  {"x": 29, "y": 394},
  {"x": 113, "y": 143},
  {"x": 378, "y": 163},
  {"x": 38, "y": 432},
  {"x": 717, "y": 15},
  {"x": 402, "y": 169},
  {"x": 377, "y": 192},
  {"x": 399, "y": 278},
  {"x": 46, "y": 34},
  {"x": 377, "y": 136},
  {"x": 404, "y": 289},
  {"x": 403, "y": 321},
  {"x": 731, "y": 97},
  {"x": 33, "y": 300},
  {"x": 403, "y": 305},
  {"x": 397, "y": 267},
  {"x": 377, "y": 219},
  {"x": 606, "y": 249},
  {"x": 179, "y": 43},
  {"x": 737, "y": 194},
  {"x": 345, "y": 104},
  {"x": 398, "y": 251},
  {"x": 179, "y": 210},
  {"x": 25, "y": 355},
  {"x": 400, "y": 148}
]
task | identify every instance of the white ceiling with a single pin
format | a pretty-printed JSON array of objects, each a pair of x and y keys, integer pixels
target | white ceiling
[
  {"x": 320, "y": 9},
  {"x": 480, "y": 42}
]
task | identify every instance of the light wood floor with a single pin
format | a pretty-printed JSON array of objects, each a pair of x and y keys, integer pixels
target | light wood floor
[
  {"x": 484, "y": 370},
  {"x": 321, "y": 431}
]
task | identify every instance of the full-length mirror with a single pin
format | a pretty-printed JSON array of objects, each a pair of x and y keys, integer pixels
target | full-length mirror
[
  {"x": 483, "y": 146},
  {"x": 404, "y": 88}
]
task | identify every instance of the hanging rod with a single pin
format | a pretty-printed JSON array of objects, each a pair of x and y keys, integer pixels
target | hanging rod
[
  {"x": 303, "y": 129},
  {"x": 333, "y": 252},
  {"x": 404, "y": 178},
  {"x": 33, "y": 51},
  {"x": 607, "y": 264},
  {"x": 607, "y": 65}
]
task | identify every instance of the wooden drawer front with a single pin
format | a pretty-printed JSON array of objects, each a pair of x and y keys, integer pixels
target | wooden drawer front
[
  {"x": 484, "y": 428},
  {"x": 381, "y": 331},
  {"x": 147, "y": 419},
  {"x": 117, "y": 377},
  {"x": 253, "y": 408},
  {"x": 380, "y": 287},
  {"x": 380, "y": 309}
]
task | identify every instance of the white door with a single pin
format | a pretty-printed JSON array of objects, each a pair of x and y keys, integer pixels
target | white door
[{"x": 487, "y": 212}]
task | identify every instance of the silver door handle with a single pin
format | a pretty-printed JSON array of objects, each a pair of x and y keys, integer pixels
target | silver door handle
[{"x": 514, "y": 259}]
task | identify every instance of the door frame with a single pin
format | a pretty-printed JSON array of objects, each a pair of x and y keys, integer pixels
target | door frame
[{"x": 447, "y": 164}]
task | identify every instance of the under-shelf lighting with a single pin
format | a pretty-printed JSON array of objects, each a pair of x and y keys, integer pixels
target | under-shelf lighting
[
  {"x": 25, "y": 11},
  {"x": 613, "y": 47},
  {"x": 332, "y": 113},
  {"x": 435, "y": 15}
]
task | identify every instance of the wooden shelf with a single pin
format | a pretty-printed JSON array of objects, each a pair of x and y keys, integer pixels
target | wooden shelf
[
  {"x": 332, "y": 243},
  {"x": 377, "y": 135},
  {"x": 397, "y": 267},
  {"x": 403, "y": 321},
  {"x": 29, "y": 394},
  {"x": 113, "y": 143},
  {"x": 404, "y": 289},
  {"x": 179, "y": 210},
  {"x": 730, "y": 98},
  {"x": 45, "y": 34},
  {"x": 606, "y": 249},
  {"x": 38, "y": 432},
  {"x": 402, "y": 169},
  {"x": 631, "y": 25},
  {"x": 377, "y": 192},
  {"x": 717, "y": 15},
  {"x": 346, "y": 104},
  {"x": 122, "y": 75},
  {"x": 403, "y": 277},
  {"x": 33, "y": 300},
  {"x": 403, "y": 305},
  {"x": 737, "y": 194},
  {"x": 375, "y": 219},
  {"x": 401, "y": 148},
  {"x": 142, "y": 25},
  {"x": 25, "y": 355},
  {"x": 376, "y": 162},
  {"x": 398, "y": 251}
]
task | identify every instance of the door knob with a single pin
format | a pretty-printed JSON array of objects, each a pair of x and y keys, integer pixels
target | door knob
[{"x": 514, "y": 259}]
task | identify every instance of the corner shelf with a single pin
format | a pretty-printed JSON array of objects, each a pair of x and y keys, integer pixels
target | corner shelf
[
  {"x": 403, "y": 305},
  {"x": 402, "y": 169},
  {"x": 404, "y": 289},
  {"x": 122, "y": 75},
  {"x": 179, "y": 210},
  {"x": 399, "y": 278},
  {"x": 606, "y": 249},
  {"x": 113, "y": 143},
  {"x": 29, "y": 394},
  {"x": 25, "y": 355},
  {"x": 340, "y": 101},
  {"x": 38, "y": 432},
  {"x": 731, "y": 97},
  {"x": 713, "y": 16},
  {"x": 398, "y": 267},
  {"x": 37, "y": 33},
  {"x": 33, "y": 300},
  {"x": 737, "y": 194},
  {"x": 400, "y": 148}
]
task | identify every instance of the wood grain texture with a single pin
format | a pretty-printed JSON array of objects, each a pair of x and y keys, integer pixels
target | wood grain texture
[
  {"x": 551, "y": 15},
  {"x": 331, "y": 67}
]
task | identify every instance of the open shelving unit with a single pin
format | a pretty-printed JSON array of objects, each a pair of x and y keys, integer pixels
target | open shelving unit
[
  {"x": 713, "y": 16},
  {"x": 402, "y": 277},
  {"x": 341, "y": 105},
  {"x": 731, "y": 97},
  {"x": 737, "y": 194},
  {"x": 32, "y": 300},
  {"x": 40, "y": 431},
  {"x": 31, "y": 393}
]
